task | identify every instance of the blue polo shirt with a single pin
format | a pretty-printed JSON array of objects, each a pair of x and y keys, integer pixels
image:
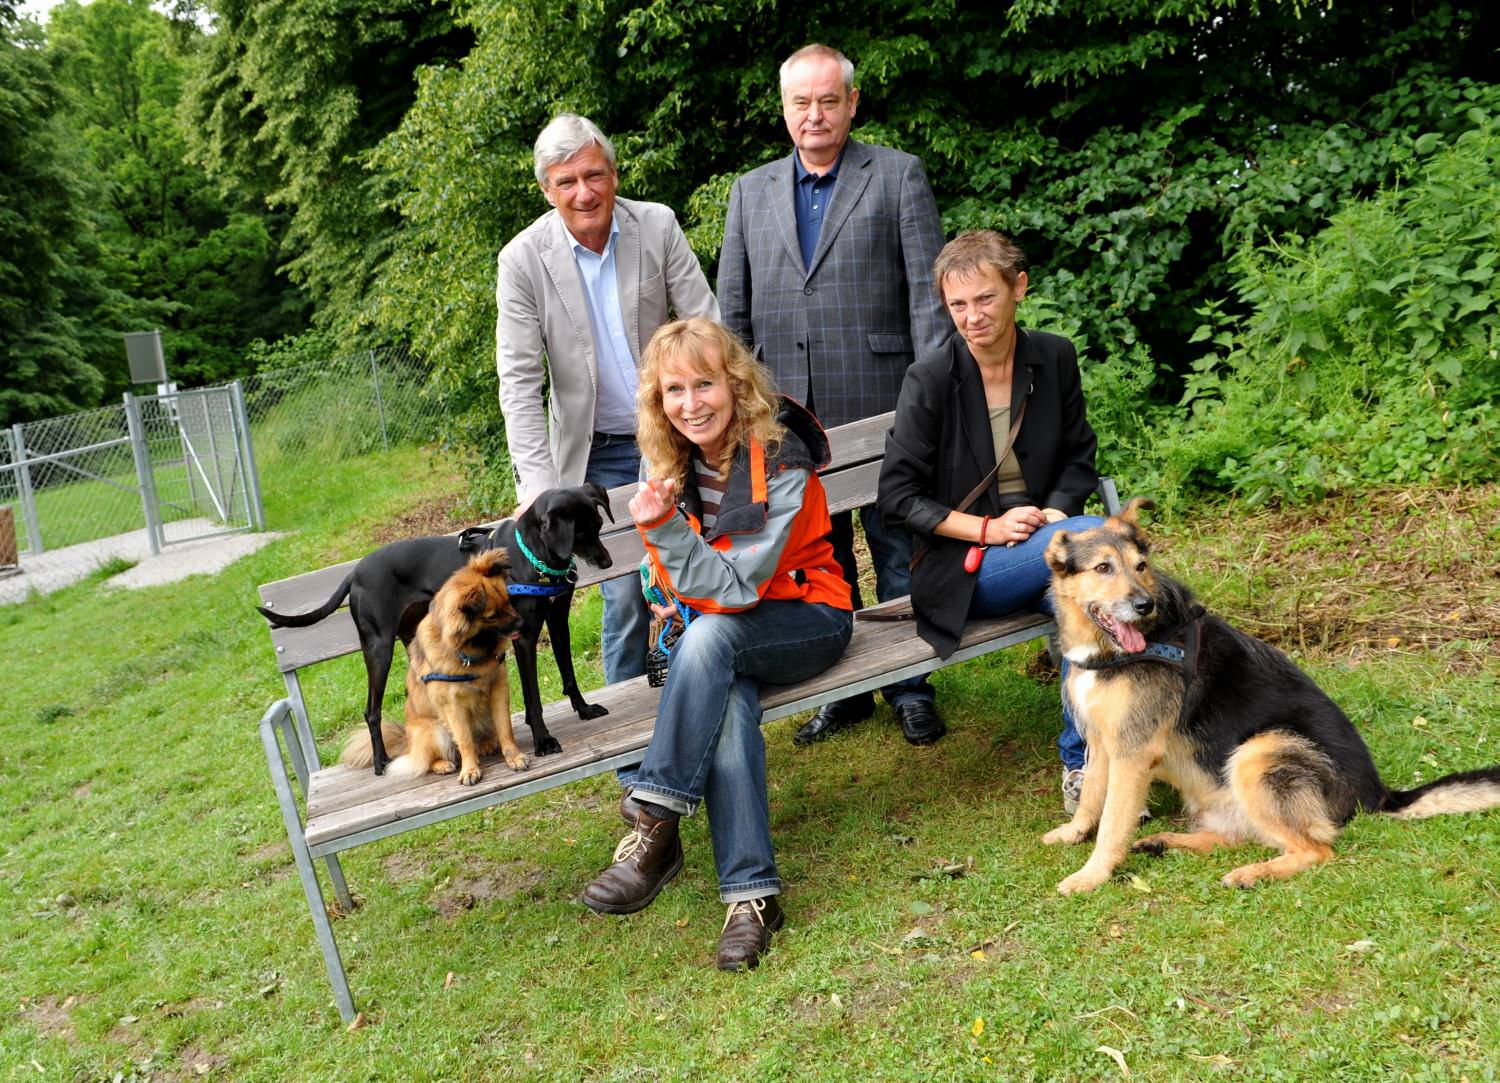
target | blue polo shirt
[
  {"x": 813, "y": 194},
  {"x": 614, "y": 404}
]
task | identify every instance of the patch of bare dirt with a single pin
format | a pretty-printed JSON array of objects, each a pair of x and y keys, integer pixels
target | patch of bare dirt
[
  {"x": 402, "y": 866},
  {"x": 1353, "y": 576},
  {"x": 442, "y": 515},
  {"x": 50, "y": 1016},
  {"x": 467, "y": 892}
]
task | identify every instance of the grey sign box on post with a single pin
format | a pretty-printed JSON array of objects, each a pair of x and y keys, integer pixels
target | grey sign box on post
[{"x": 143, "y": 351}]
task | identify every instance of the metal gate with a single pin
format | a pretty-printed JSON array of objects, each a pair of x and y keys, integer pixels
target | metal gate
[{"x": 195, "y": 464}]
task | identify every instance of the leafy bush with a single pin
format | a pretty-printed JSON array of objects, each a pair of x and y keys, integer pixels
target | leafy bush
[{"x": 1371, "y": 352}]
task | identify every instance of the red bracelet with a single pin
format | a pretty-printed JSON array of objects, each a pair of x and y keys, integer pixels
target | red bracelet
[{"x": 975, "y": 556}]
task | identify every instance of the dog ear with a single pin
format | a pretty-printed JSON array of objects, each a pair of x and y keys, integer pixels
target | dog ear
[
  {"x": 1059, "y": 554},
  {"x": 1133, "y": 507},
  {"x": 492, "y": 562},
  {"x": 599, "y": 495},
  {"x": 474, "y": 601}
]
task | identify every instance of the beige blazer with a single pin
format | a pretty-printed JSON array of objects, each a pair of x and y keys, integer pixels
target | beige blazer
[{"x": 543, "y": 335}]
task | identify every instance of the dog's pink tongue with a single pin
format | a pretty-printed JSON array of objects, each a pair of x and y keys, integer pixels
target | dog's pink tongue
[{"x": 1130, "y": 638}]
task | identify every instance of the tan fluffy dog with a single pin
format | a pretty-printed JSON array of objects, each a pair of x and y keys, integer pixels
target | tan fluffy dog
[
  {"x": 1161, "y": 689},
  {"x": 457, "y": 690}
]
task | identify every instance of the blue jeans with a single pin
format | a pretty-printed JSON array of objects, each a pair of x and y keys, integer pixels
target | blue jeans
[
  {"x": 890, "y": 552},
  {"x": 1017, "y": 577},
  {"x": 616, "y": 460},
  {"x": 707, "y": 745}
]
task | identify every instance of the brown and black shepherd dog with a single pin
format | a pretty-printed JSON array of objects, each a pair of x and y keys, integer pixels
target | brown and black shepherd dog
[
  {"x": 457, "y": 690},
  {"x": 1161, "y": 690}
]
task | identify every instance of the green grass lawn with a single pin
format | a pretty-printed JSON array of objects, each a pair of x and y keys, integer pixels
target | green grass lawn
[{"x": 157, "y": 929}]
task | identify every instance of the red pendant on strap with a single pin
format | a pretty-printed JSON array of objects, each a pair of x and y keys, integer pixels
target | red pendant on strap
[{"x": 975, "y": 556}]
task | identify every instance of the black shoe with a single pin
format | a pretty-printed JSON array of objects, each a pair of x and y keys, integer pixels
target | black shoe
[
  {"x": 832, "y": 717},
  {"x": 920, "y": 722}
]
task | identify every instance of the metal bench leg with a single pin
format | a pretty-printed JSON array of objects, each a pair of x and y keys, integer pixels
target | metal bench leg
[
  {"x": 305, "y": 739},
  {"x": 305, "y": 869}
]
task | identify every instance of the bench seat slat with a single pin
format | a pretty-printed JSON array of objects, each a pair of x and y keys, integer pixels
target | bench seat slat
[{"x": 347, "y": 802}]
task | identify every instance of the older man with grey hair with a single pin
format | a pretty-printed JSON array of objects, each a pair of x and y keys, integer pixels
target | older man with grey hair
[
  {"x": 827, "y": 268},
  {"x": 580, "y": 291}
]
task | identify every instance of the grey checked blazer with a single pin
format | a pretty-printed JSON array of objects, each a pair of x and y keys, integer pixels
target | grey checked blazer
[
  {"x": 850, "y": 326},
  {"x": 544, "y": 340}
]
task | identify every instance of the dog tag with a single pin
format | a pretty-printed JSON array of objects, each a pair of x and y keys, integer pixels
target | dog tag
[{"x": 974, "y": 557}]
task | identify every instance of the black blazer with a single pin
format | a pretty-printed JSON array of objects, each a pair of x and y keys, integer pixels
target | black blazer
[{"x": 940, "y": 446}]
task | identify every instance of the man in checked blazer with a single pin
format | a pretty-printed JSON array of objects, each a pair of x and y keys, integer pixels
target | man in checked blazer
[
  {"x": 827, "y": 269},
  {"x": 579, "y": 293}
]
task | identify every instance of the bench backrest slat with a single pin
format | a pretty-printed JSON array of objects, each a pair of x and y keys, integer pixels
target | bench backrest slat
[{"x": 850, "y": 480}]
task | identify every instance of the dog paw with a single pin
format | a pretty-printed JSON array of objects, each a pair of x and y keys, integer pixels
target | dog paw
[
  {"x": 1083, "y": 880},
  {"x": 592, "y": 710},
  {"x": 517, "y": 761},
  {"x": 1066, "y": 834},
  {"x": 547, "y": 746},
  {"x": 1245, "y": 876},
  {"x": 1151, "y": 844},
  {"x": 443, "y": 767},
  {"x": 469, "y": 775}
]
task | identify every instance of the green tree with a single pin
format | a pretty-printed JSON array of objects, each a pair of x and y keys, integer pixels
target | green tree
[
  {"x": 195, "y": 263},
  {"x": 285, "y": 104},
  {"x": 50, "y": 293}
]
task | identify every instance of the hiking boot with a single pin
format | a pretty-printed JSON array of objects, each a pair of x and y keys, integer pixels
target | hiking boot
[
  {"x": 747, "y": 932},
  {"x": 646, "y": 858}
]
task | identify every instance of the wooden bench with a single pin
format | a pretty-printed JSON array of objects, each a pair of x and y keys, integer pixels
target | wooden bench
[{"x": 333, "y": 809}]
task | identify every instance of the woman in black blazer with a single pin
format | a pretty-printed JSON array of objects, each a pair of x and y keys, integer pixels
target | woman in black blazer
[{"x": 956, "y": 411}]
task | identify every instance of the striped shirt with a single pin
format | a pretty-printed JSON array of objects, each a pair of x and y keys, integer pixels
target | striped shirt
[{"x": 711, "y": 489}]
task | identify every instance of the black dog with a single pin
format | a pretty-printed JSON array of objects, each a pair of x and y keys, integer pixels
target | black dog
[{"x": 389, "y": 591}]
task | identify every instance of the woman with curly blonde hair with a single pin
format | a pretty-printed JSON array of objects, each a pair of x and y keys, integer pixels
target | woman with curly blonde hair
[
  {"x": 694, "y": 342},
  {"x": 735, "y": 525}
]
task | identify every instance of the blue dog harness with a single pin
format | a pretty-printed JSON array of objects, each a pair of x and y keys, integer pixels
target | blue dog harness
[
  {"x": 456, "y": 678},
  {"x": 1184, "y": 659}
]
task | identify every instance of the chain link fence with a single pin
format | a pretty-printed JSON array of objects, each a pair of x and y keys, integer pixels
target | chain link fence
[
  {"x": 74, "y": 479},
  {"x": 369, "y": 401}
]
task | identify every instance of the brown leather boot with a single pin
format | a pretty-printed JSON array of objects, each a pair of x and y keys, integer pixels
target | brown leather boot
[
  {"x": 747, "y": 932},
  {"x": 647, "y": 857}
]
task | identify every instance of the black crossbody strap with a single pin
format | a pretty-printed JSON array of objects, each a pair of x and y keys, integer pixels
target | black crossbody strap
[{"x": 963, "y": 505}]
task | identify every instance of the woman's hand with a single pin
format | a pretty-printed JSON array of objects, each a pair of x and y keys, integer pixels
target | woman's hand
[
  {"x": 1054, "y": 515},
  {"x": 1016, "y": 525},
  {"x": 665, "y": 613},
  {"x": 654, "y": 500}
]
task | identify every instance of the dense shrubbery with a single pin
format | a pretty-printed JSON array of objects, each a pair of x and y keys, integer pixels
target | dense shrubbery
[{"x": 1371, "y": 351}]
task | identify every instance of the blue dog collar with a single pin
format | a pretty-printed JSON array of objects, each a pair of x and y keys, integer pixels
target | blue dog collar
[
  {"x": 456, "y": 677},
  {"x": 539, "y": 590}
]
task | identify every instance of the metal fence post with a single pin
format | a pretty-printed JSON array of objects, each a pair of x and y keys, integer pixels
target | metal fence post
[
  {"x": 385, "y": 439},
  {"x": 247, "y": 457},
  {"x": 28, "y": 496},
  {"x": 143, "y": 472}
]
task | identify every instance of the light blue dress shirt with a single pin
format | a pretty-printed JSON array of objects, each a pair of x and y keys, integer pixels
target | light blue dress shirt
[{"x": 614, "y": 407}]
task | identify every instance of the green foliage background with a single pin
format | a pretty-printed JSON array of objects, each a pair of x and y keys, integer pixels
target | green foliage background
[
  {"x": 1189, "y": 178},
  {"x": 1143, "y": 154}
]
